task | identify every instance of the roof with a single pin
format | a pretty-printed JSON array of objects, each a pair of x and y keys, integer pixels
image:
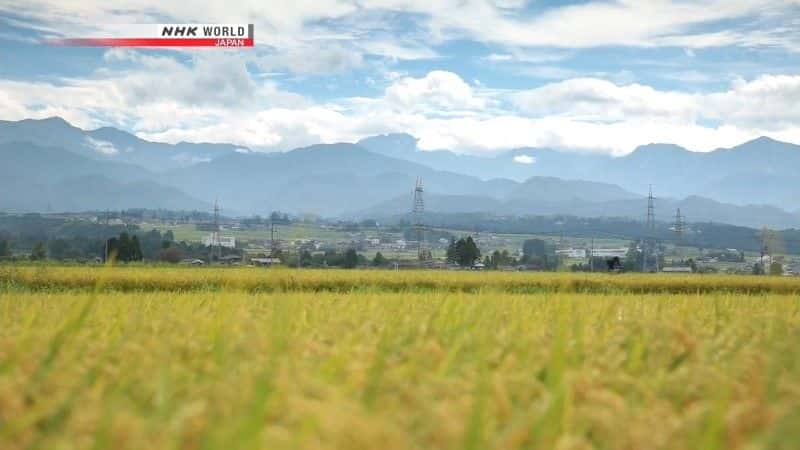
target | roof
[{"x": 266, "y": 260}]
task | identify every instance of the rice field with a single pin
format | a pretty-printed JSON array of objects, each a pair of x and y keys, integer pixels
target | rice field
[{"x": 184, "y": 358}]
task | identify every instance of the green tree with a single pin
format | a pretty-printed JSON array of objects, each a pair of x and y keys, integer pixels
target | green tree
[
  {"x": 124, "y": 247},
  {"x": 171, "y": 255},
  {"x": 450, "y": 255},
  {"x": 533, "y": 248},
  {"x": 776, "y": 268},
  {"x": 58, "y": 249},
  {"x": 5, "y": 249},
  {"x": 379, "y": 260},
  {"x": 305, "y": 259},
  {"x": 39, "y": 252},
  {"x": 466, "y": 252},
  {"x": 350, "y": 260}
]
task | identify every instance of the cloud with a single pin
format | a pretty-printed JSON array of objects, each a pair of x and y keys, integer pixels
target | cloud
[
  {"x": 438, "y": 90},
  {"x": 524, "y": 159},
  {"x": 217, "y": 99},
  {"x": 404, "y": 29},
  {"x": 103, "y": 147},
  {"x": 601, "y": 100}
]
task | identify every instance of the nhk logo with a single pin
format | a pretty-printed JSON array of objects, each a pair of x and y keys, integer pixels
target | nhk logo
[
  {"x": 170, "y": 35},
  {"x": 205, "y": 31}
]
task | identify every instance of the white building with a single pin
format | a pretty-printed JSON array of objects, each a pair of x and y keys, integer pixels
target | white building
[
  {"x": 573, "y": 252},
  {"x": 224, "y": 241},
  {"x": 620, "y": 252}
]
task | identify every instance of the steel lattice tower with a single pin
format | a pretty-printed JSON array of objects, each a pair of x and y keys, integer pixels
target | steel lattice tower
[
  {"x": 215, "y": 238},
  {"x": 272, "y": 244},
  {"x": 419, "y": 217},
  {"x": 650, "y": 229},
  {"x": 678, "y": 233}
]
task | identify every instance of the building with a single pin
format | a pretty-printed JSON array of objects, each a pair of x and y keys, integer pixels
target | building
[
  {"x": 619, "y": 252},
  {"x": 224, "y": 241},
  {"x": 230, "y": 259},
  {"x": 677, "y": 269},
  {"x": 265, "y": 262},
  {"x": 573, "y": 252}
]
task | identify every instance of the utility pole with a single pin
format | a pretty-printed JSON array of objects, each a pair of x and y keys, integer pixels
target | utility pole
[{"x": 591, "y": 254}]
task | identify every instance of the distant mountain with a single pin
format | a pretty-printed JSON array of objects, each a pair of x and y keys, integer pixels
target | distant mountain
[
  {"x": 556, "y": 190},
  {"x": 324, "y": 179},
  {"x": 758, "y": 171},
  {"x": 761, "y": 171},
  {"x": 694, "y": 209},
  {"x": 50, "y": 162},
  {"x": 35, "y": 178},
  {"x": 110, "y": 144},
  {"x": 519, "y": 164}
]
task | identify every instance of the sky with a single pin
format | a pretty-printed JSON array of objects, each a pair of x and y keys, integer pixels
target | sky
[{"x": 472, "y": 76}]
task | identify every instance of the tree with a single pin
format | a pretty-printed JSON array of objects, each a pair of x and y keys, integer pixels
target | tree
[
  {"x": 136, "y": 249},
  {"x": 350, "y": 259},
  {"x": 39, "y": 252},
  {"x": 466, "y": 252},
  {"x": 499, "y": 259},
  {"x": 532, "y": 248},
  {"x": 776, "y": 268},
  {"x": 125, "y": 248},
  {"x": 305, "y": 259},
  {"x": 58, "y": 249},
  {"x": 171, "y": 255},
  {"x": 451, "y": 251},
  {"x": 379, "y": 260},
  {"x": 5, "y": 249}
]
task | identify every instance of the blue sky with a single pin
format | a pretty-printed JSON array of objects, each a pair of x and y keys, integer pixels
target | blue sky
[{"x": 474, "y": 76}]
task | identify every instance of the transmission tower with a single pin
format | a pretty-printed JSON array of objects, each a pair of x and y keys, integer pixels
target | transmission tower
[
  {"x": 273, "y": 247},
  {"x": 650, "y": 228},
  {"x": 678, "y": 233},
  {"x": 419, "y": 216},
  {"x": 215, "y": 237},
  {"x": 767, "y": 244}
]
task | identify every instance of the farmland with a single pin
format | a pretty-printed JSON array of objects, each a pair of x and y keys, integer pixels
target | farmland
[{"x": 151, "y": 357}]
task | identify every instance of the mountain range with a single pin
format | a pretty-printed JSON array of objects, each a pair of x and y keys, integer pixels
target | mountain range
[{"x": 50, "y": 164}]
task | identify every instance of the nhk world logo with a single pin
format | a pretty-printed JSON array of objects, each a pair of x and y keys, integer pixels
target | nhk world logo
[{"x": 168, "y": 35}]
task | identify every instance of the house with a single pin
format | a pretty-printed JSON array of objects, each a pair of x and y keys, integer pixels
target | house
[
  {"x": 572, "y": 252},
  {"x": 620, "y": 252},
  {"x": 265, "y": 262},
  {"x": 224, "y": 241},
  {"x": 230, "y": 259},
  {"x": 193, "y": 262},
  {"x": 677, "y": 269}
]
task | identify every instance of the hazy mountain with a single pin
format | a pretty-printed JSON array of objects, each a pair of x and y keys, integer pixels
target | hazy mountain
[
  {"x": 50, "y": 162},
  {"x": 694, "y": 209},
  {"x": 551, "y": 189},
  {"x": 758, "y": 171},
  {"x": 519, "y": 164},
  {"x": 34, "y": 178},
  {"x": 324, "y": 179},
  {"x": 110, "y": 144},
  {"x": 761, "y": 171}
]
